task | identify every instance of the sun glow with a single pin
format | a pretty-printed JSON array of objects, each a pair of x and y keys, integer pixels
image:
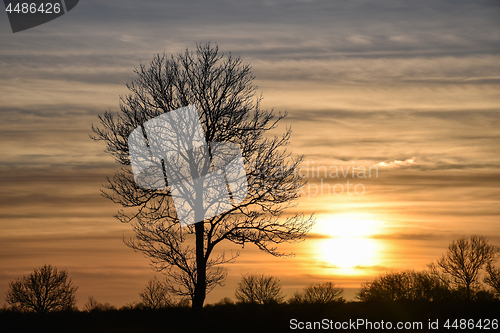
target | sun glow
[{"x": 349, "y": 249}]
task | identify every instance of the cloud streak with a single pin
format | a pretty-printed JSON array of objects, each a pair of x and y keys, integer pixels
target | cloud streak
[{"x": 397, "y": 163}]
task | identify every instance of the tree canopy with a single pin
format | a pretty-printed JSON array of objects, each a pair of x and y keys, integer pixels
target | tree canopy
[
  {"x": 464, "y": 261},
  {"x": 44, "y": 290},
  {"x": 220, "y": 87}
]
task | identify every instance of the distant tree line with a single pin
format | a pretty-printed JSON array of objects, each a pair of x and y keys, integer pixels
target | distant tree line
[{"x": 465, "y": 272}]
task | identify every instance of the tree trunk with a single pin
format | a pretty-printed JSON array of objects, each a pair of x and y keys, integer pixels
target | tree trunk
[
  {"x": 199, "y": 227},
  {"x": 200, "y": 287},
  {"x": 468, "y": 289}
]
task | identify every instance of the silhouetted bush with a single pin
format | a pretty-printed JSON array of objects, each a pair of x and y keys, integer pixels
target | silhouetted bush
[
  {"x": 259, "y": 289},
  {"x": 321, "y": 293},
  {"x": 225, "y": 301},
  {"x": 406, "y": 285},
  {"x": 93, "y": 305}
]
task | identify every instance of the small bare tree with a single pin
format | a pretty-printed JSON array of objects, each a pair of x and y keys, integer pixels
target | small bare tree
[
  {"x": 493, "y": 278},
  {"x": 464, "y": 261},
  {"x": 155, "y": 295},
  {"x": 93, "y": 305},
  {"x": 44, "y": 290},
  {"x": 320, "y": 293},
  {"x": 220, "y": 86},
  {"x": 259, "y": 289}
]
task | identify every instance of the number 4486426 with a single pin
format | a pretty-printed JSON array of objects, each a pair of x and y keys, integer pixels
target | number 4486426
[
  {"x": 471, "y": 324},
  {"x": 43, "y": 8}
]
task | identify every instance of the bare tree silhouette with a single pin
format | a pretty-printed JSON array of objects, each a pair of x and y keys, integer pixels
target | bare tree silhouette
[
  {"x": 464, "y": 261},
  {"x": 43, "y": 290},
  {"x": 220, "y": 86},
  {"x": 155, "y": 295},
  {"x": 320, "y": 293},
  {"x": 493, "y": 278},
  {"x": 259, "y": 289}
]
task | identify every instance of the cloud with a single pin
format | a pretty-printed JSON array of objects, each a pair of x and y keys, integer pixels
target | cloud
[
  {"x": 358, "y": 267},
  {"x": 359, "y": 39},
  {"x": 312, "y": 235},
  {"x": 374, "y": 268},
  {"x": 397, "y": 163},
  {"x": 406, "y": 236}
]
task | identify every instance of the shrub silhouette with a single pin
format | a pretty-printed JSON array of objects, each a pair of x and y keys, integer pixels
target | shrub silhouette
[
  {"x": 320, "y": 293},
  {"x": 93, "y": 305},
  {"x": 406, "y": 285},
  {"x": 259, "y": 289},
  {"x": 225, "y": 301}
]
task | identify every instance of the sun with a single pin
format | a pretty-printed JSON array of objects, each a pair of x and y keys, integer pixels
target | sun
[
  {"x": 349, "y": 226},
  {"x": 348, "y": 247}
]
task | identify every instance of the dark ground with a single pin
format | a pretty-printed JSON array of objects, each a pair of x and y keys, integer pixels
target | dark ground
[{"x": 248, "y": 318}]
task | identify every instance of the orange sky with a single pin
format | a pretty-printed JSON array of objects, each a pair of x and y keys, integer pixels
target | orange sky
[{"x": 410, "y": 90}]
